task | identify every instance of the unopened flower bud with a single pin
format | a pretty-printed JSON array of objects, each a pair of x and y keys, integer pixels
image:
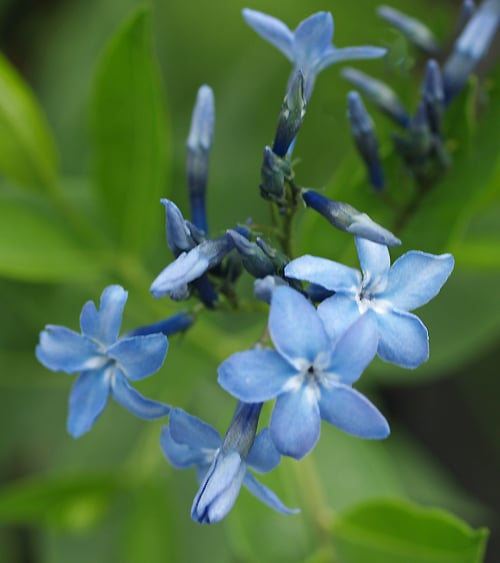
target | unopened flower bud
[{"x": 273, "y": 172}]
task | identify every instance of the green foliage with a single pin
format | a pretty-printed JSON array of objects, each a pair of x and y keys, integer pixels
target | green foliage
[
  {"x": 130, "y": 134},
  {"x": 27, "y": 151},
  {"x": 392, "y": 531}
]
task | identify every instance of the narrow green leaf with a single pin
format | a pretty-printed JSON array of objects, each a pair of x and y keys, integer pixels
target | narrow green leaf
[
  {"x": 35, "y": 244},
  {"x": 392, "y": 531},
  {"x": 65, "y": 502},
  {"x": 27, "y": 150},
  {"x": 130, "y": 134}
]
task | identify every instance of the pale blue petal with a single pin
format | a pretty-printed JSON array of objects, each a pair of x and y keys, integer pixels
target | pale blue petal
[
  {"x": 311, "y": 38},
  {"x": 104, "y": 326},
  {"x": 416, "y": 278},
  {"x": 295, "y": 327},
  {"x": 255, "y": 376},
  {"x": 263, "y": 456},
  {"x": 181, "y": 456},
  {"x": 338, "y": 313},
  {"x": 374, "y": 260},
  {"x": 132, "y": 400},
  {"x": 272, "y": 30},
  {"x": 139, "y": 356},
  {"x": 352, "y": 412},
  {"x": 333, "y": 55},
  {"x": 324, "y": 272},
  {"x": 219, "y": 489},
  {"x": 186, "y": 268},
  {"x": 62, "y": 349},
  {"x": 355, "y": 349},
  {"x": 295, "y": 422},
  {"x": 190, "y": 430},
  {"x": 88, "y": 397},
  {"x": 403, "y": 339},
  {"x": 265, "y": 495}
]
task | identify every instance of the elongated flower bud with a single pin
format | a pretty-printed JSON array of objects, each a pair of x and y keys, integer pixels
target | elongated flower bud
[
  {"x": 272, "y": 173},
  {"x": 255, "y": 261},
  {"x": 179, "y": 322},
  {"x": 433, "y": 95}
]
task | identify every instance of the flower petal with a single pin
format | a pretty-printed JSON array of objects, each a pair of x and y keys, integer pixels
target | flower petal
[
  {"x": 219, "y": 489},
  {"x": 352, "y": 412},
  {"x": 374, "y": 260},
  {"x": 324, "y": 272},
  {"x": 416, "y": 278},
  {"x": 295, "y": 327},
  {"x": 104, "y": 326},
  {"x": 403, "y": 339},
  {"x": 139, "y": 356},
  {"x": 181, "y": 456},
  {"x": 183, "y": 270},
  {"x": 295, "y": 422},
  {"x": 355, "y": 349},
  {"x": 132, "y": 400},
  {"x": 88, "y": 397},
  {"x": 338, "y": 313},
  {"x": 263, "y": 455},
  {"x": 311, "y": 38},
  {"x": 272, "y": 30},
  {"x": 334, "y": 55},
  {"x": 190, "y": 430},
  {"x": 255, "y": 376},
  {"x": 265, "y": 495},
  {"x": 62, "y": 349}
]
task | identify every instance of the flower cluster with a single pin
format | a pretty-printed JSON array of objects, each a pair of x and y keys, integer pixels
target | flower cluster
[{"x": 327, "y": 321}]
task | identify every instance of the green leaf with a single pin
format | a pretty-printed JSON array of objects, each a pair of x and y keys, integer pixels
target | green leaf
[
  {"x": 392, "y": 531},
  {"x": 35, "y": 244},
  {"x": 27, "y": 150},
  {"x": 130, "y": 134},
  {"x": 65, "y": 502}
]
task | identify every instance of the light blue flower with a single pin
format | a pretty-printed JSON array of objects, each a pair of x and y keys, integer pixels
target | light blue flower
[
  {"x": 105, "y": 362},
  {"x": 388, "y": 292},
  {"x": 222, "y": 465},
  {"x": 309, "y": 374},
  {"x": 309, "y": 47}
]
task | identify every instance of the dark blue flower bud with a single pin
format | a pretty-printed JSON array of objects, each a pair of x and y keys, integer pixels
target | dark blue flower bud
[
  {"x": 273, "y": 172},
  {"x": 291, "y": 115},
  {"x": 318, "y": 293},
  {"x": 179, "y": 322},
  {"x": 278, "y": 258},
  {"x": 255, "y": 261},
  {"x": 198, "y": 148},
  {"x": 346, "y": 218},
  {"x": 363, "y": 132},
  {"x": 415, "y": 31},
  {"x": 471, "y": 46},
  {"x": 380, "y": 94},
  {"x": 433, "y": 95}
]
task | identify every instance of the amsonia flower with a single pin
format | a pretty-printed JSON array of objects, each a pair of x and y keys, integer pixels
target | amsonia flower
[
  {"x": 222, "y": 464},
  {"x": 388, "y": 292},
  {"x": 309, "y": 46},
  {"x": 309, "y": 374},
  {"x": 106, "y": 363}
]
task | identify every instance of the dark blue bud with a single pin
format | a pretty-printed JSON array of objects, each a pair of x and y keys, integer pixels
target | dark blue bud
[
  {"x": 380, "y": 94},
  {"x": 415, "y": 31},
  {"x": 198, "y": 148},
  {"x": 346, "y": 218},
  {"x": 363, "y": 132},
  {"x": 240, "y": 435},
  {"x": 318, "y": 293},
  {"x": 255, "y": 261},
  {"x": 291, "y": 115},
  {"x": 470, "y": 47},
  {"x": 273, "y": 172},
  {"x": 172, "y": 325},
  {"x": 278, "y": 258},
  {"x": 433, "y": 95}
]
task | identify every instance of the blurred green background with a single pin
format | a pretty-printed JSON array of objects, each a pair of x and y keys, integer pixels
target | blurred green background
[{"x": 76, "y": 215}]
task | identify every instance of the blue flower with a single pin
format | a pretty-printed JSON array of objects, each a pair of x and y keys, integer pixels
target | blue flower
[
  {"x": 388, "y": 292},
  {"x": 309, "y": 374},
  {"x": 309, "y": 47},
  {"x": 105, "y": 362},
  {"x": 222, "y": 465}
]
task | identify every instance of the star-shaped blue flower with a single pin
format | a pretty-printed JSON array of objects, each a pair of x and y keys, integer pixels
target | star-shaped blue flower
[
  {"x": 189, "y": 442},
  {"x": 309, "y": 47},
  {"x": 105, "y": 362},
  {"x": 388, "y": 292},
  {"x": 309, "y": 374}
]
